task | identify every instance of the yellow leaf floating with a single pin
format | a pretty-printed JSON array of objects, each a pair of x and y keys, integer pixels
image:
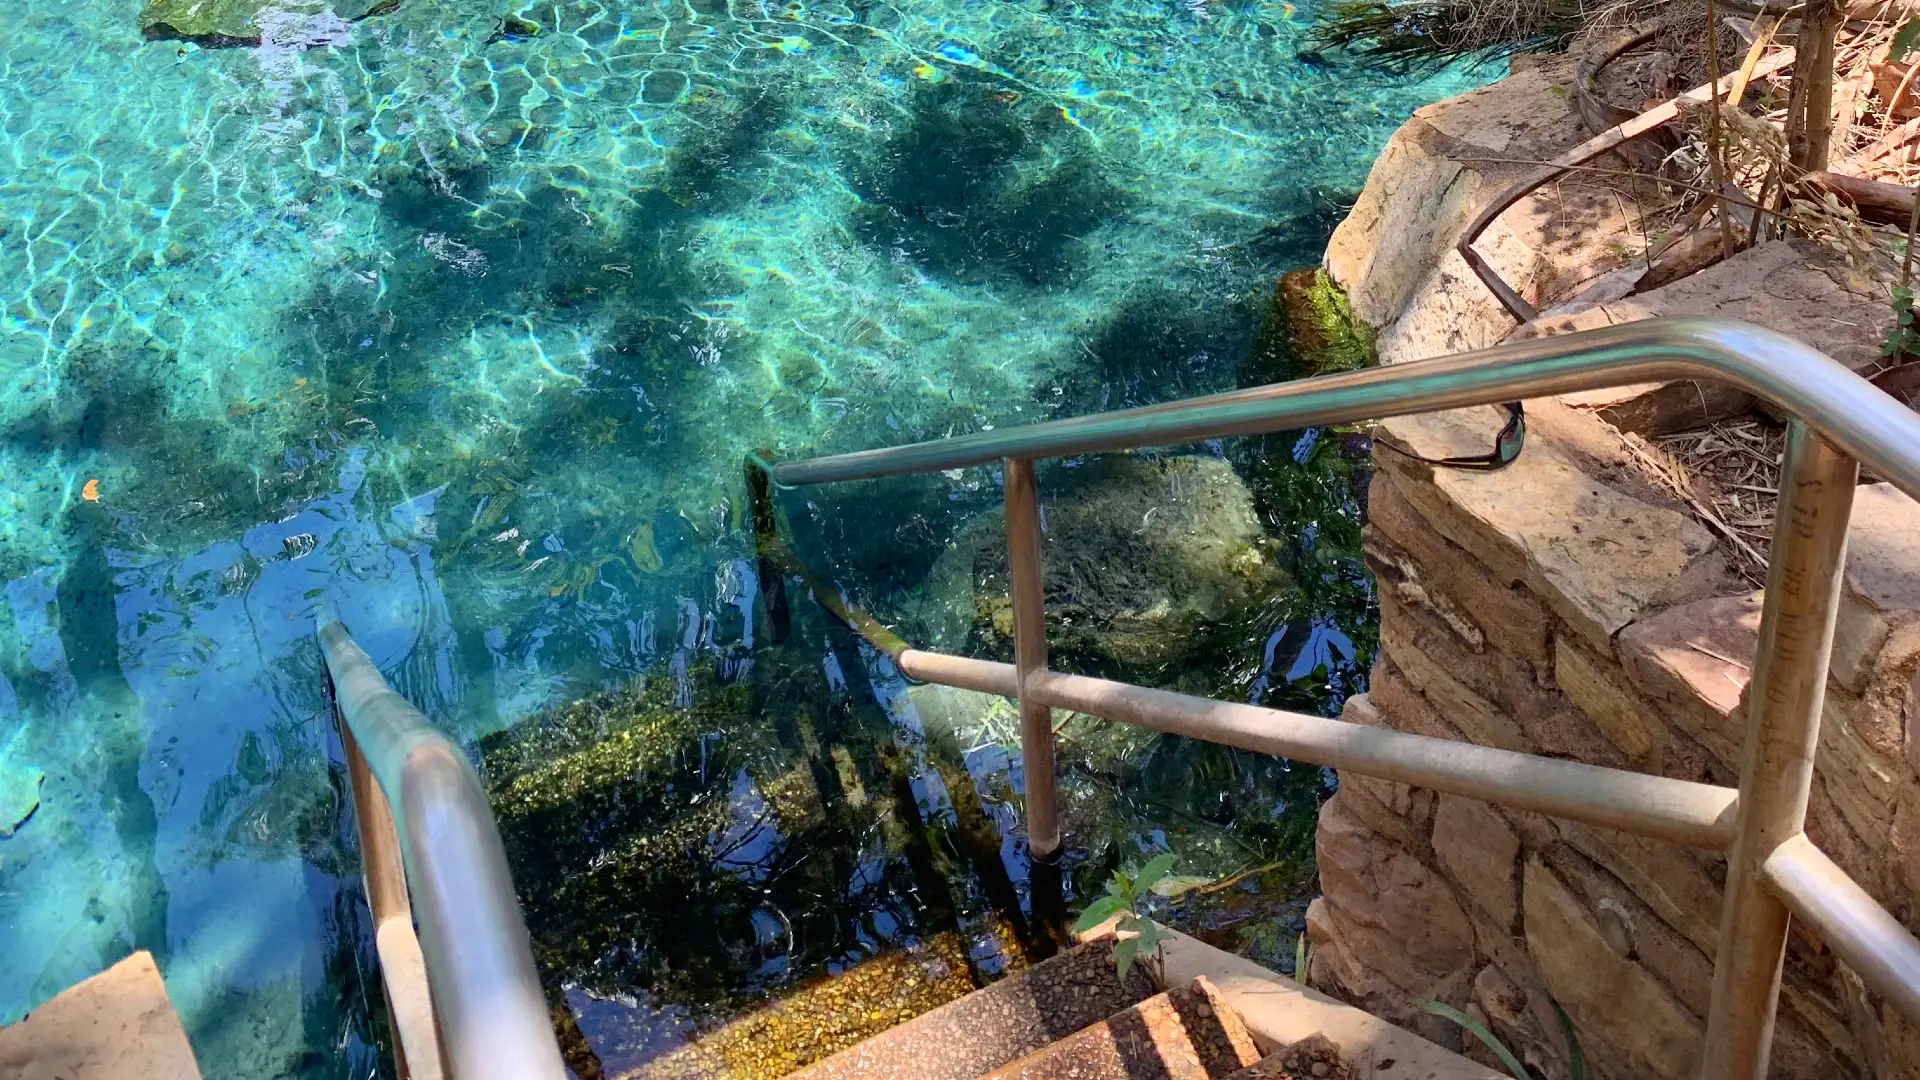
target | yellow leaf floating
[
  {"x": 641, "y": 548},
  {"x": 90, "y": 491}
]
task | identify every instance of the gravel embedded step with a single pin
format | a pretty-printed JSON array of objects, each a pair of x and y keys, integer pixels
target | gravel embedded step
[
  {"x": 1312, "y": 1058},
  {"x": 1183, "y": 1034},
  {"x": 994, "y": 1025}
]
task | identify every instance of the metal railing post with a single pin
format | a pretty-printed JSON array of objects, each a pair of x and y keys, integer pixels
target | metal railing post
[
  {"x": 766, "y": 537},
  {"x": 1030, "y": 655},
  {"x": 1783, "y": 731},
  {"x": 403, "y": 969},
  {"x": 472, "y": 951}
]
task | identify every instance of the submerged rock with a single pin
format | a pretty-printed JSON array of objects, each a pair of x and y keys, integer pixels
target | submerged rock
[
  {"x": 19, "y": 795},
  {"x": 1145, "y": 562},
  {"x": 303, "y": 23},
  {"x": 1309, "y": 330}
]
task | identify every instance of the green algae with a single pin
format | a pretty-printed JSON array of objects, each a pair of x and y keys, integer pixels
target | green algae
[
  {"x": 243, "y": 22},
  {"x": 1309, "y": 329},
  {"x": 1146, "y": 563}
]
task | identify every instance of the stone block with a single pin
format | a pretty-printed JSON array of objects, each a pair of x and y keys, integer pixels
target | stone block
[
  {"x": 1506, "y": 616},
  {"x": 1396, "y": 917},
  {"x": 1397, "y": 811},
  {"x": 1475, "y": 846},
  {"x": 1863, "y": 782},
  {"x": 1596, "y": 556},
  {"x": 1636, "y": 931},
  {"x": 1613, "y": 1000},
  {"x": 1479, "y": 719},
  {"x": 1860, "y": 630},
  {"x": 1600, "y": 689},
  {"x": 1695, "y": 661},
  {"x": 1402, "y": 706},
  {"x": 1670, "y": 883},
  {"x": 1883, "y": 549},
  {"x": 1504, "y": 683},
  {"x": 117, "y": 1025},
  {"x": 1828, "y": 829}
]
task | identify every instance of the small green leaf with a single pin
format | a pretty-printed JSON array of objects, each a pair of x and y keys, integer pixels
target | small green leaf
[
  {"x": 1474, "y": 1028},
  {"x": 1151, "y": 873},
  {"x": 1129, "y": 924},
  {"x": 1904, "y": 40},
  {"x": 1123, "y": 954},
  {"x": 1150, "y": 937},
  {"x": 1577, "y": 1063},
  {"x": 1097, "y": 912}
]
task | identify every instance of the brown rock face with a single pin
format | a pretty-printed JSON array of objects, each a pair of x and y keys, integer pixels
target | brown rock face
[
  {"x": 1615, "y": 1003},
  {"x": 1474, "y": 845},
  {"x": 1695, "y": 661},
  {"x": 1597, "y": 556},
  {"x": 1398, "y": 918}
]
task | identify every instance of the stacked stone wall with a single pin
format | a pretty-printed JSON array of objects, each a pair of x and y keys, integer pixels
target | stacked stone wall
[{"x": 1565, "y": 606}]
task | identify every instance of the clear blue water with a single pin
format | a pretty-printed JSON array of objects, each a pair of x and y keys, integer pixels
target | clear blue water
[{"x": 466, "y": 332}]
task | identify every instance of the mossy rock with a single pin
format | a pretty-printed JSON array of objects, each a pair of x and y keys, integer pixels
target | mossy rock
[
  {"x": 1143, "y": 560},
  {"x": 245, "y": 22},
  {"x": 1309, "y": 330}
]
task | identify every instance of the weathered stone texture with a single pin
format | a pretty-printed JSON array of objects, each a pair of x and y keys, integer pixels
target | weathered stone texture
[
  {"x": 117, "y": 1025},
  {"x": 1621, "y": 1011},
  {"x": 1565, "y": 606},
  {"x": 1482, "y": 855},
  {"x": 1597, "y": 557}
]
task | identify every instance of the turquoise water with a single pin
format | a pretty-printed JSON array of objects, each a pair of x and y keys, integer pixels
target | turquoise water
[{"x": 466, "y": 331}]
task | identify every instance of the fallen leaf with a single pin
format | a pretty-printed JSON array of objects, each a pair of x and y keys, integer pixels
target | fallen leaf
[
  {"x": 556, "y": 590},
  {"x": 298, "y": 383},
  {"x": 90, "y": 491}
]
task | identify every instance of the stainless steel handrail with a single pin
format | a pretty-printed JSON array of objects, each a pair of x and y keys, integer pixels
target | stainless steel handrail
[
  {"x": 1773, "y": 871},
  {"x": 1852, "y": 413},
  {"x": 486, "y": 996}
]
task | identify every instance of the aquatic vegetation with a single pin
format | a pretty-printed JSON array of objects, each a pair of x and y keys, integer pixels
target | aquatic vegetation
[{"x": 460, "y": 316}]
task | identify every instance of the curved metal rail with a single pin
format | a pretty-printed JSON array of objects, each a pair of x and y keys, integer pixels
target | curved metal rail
[
  {"x": 1852, "y": 413},
  {"x": 1842, "y": 421},
  {"x": 487, "y": 1015}
]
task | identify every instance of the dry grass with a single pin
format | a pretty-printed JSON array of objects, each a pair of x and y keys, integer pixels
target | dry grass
[{"x": 1728, "y": 474}]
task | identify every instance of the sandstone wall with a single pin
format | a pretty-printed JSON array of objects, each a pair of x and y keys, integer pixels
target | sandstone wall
[{"x": 1564, "y": 606}]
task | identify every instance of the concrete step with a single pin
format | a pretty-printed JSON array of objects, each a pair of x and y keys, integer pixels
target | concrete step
[
  {"x": 1187, "y": 1033},
  {"x": 117, "y": 1025},
  {"x": 1003, "y": 1022},
  {"x": 1312, "y": 1058}
]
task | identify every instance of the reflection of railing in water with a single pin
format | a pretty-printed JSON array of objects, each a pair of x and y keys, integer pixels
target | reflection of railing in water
[{"x": 1773, "y": 870}]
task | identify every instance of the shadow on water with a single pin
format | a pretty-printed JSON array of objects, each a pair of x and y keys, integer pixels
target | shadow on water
[{"x": 986, "y": 184}]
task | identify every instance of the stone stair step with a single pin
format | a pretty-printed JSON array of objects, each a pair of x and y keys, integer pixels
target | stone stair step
[
  {"x": 1187, "y": 1033},
  {"x": 1312, "y": 1058},
  {"x": 117, "y": 1025},
  {"x": 1000, "y": 1023}
]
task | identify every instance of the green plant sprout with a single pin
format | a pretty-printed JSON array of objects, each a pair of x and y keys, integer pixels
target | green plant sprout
[
  {"x": 1576, "y": 1060},
  {"x": 1904, "y": 339},
  {"x": 1123, "y": 897}
]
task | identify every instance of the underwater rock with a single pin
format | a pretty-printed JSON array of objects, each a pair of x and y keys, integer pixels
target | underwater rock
[
  {"x": 296, "y": 23},
  {"x": 1145, "y": 562},
  {"x": 19, "y": 795},
  {"x": 1309, "y": 330}
]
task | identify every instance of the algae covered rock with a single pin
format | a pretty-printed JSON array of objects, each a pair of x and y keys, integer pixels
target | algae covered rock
[
  {"x": 1309, "y": 330},
  {"x": 1144, "y": 560},
  {"x": 250, "y": 22}
]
